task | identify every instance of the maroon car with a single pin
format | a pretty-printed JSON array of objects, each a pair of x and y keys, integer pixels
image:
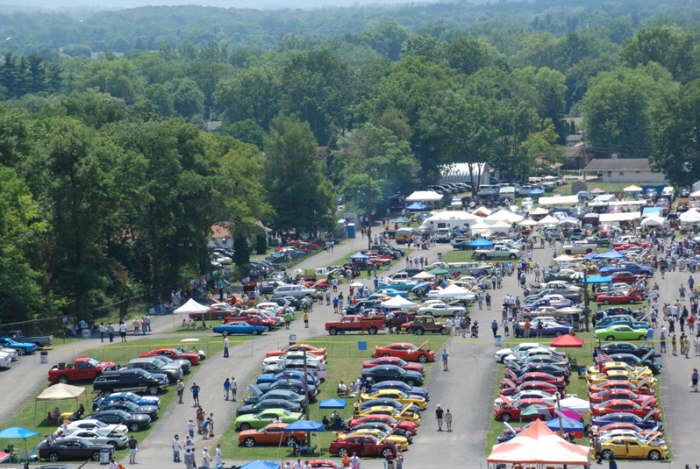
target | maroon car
[
  {"x": 393, "y": 361},
  {"x": 362, "y": 445}
]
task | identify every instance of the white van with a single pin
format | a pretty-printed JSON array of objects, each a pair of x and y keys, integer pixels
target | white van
[{"x": 443, "y": 235}]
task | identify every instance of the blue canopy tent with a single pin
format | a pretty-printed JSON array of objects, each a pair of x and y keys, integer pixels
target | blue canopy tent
[
  {"x": 358, "y": 256},
  {"x": 307, "y": 426},
  {"x": 481, "y": 243},
  {"x": 652, "y": 211},
  {"x": 536, "y": 192},
  {"x": 18, "y": 433},
  {"x": 261, "y": 465},
  {"x": 566, "y": 424},
  {"x": 417, "y": 206},
  {"x": 333, "y": 403},
  {"x": 611, "y": 254},
  {"x": 598, "y": 279}
]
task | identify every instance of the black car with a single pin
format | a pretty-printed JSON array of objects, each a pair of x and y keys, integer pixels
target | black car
[
  {"x": 286, "y": 301},
  {"x": 461, "y": 244},
  {"x": 387, "y": 402},
  {"x": 128, "y": 379},
  {"x": 295, "y": 385},
  {"x": 622, "y": 347},
  {"x": 283, "y": 394},
  {"x": 393, "y": 372},
  {"x": 543, "y": 368},
  {"x": 134, "y": 422},
  {"x": 650, "y": 360},
  {"x": 269, "y": 404},
  {"x": 71, "y": 450},
  {"x": 132, "y": 408}
]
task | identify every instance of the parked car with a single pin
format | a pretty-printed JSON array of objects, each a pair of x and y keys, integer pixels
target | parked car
[
  {"x": 132, "y": 408},
  {"x": 422, "y": 324},
  {"x": 296, "y": 291},
  {"x": 363, "y": 446},
  {"x": 134, "y": 422},
  {"x": 23, "y": 348},
  {"x": 441, "y": 309},
  {"x": 126, "y": 396},
  {"x": 266, "y": 404},
  {"x": 173, "y": 354},
  {"x": 238, "y": 327},
  {"x": 392, "y": 372},
  {"x": 153, "y": 365},
  {"x": 82, "y": 369},
  {"x": 91, "y": 424},
  {"x": 497, "y": 252},
  {"x": 129, "y": 379},
  {"x": 393, "y": 361},
  {"x": 272, "y": 434},
  {"x": 633, "y": 447},
  {"x": 621, "y": 332},
  {"x": 264, "y": 418},
  {"x": 401, "y": 386},
  {"x": 99, "y": 437},
  {"x": 62, "y": 449},
  {"x": 39, "y": 340},
  {"x": 406, "y": 351}
]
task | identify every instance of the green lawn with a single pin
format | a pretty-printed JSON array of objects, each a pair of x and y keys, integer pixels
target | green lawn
[
  {"x": 344, "y": 363},
  {"x": 610, "y": 187},
  {"x": 466, "y": 256},
  {"x": 578, "y": 386},
  {"x": 33, "y": 416}
]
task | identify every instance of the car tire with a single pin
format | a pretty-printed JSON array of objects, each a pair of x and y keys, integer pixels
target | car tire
[
  {"x": 342, "y": 452},
  {"x": 418, "y": 331},
  {"x": 641, "y": 337},
  {"x": 654, "y": 455},
  {"x": 113, "y": 444},
  {"x": 606, "y": 454},
  {"x": 62, "y": 379},
  {"x": 53, "y": 457},
  {"x": 333, "y": 331},
  {"x": 95, "y": 456},
  {"x": 512, "y": 256},
  {"x": 153, "y": 390},
  {"x": 386, "y": 452},
  {"x": 258, "y": 332},
  {"x": 244, "y": 426},
  {"x": 134, "y": 427},
  {"x": 506, "y": 418},
  {"x": 482, "y": 257},
  {"x": 422, "y": 359},
  {"x": 610, "y": 338},
  {"x": 20, "y": 352},
  {"x": 249, "y": 442},
  {"x": 372, "y": 330},
  {"x": 227, "y": 333}
]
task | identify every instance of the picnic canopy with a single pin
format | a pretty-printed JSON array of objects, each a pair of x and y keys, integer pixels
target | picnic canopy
[
  {"x": 18, "y": 433},
  {"x": 653, "y": 220},
  {"x": 567, "y": 340},
  {"x": 423, "y": 275},
  {"x": 539, "y": 211},
  {"x": 358, "y": 256},
  {"x": 574, "y": 403},
  {"x": 548, "y": 221},
  {"x": 191, "y": 306},
  {"x": 398, "y": 302},
  {"x": 564, "y": 258},
  {"x": 537, "y": 444},
  {"x": 480, "y": 243},
  {"x": 59, "y": 392},
  {"x": 424, "y": 196},
  {"x": 690, "y": 217},
  {"x": 439, "y": 271},
  {"x": 454, "y": 291},
  {"x": 528, "y": 222},
  {"x": 566, "y": 424}
]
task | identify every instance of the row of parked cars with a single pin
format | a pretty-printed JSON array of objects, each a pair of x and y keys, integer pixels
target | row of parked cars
[{"x": 122, "y": 404}]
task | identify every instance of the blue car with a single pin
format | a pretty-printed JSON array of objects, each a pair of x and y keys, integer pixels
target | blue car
[
  {"x": 21, "y": 347},
  {"x": 287, "y": 374},
  {"x": 633, "y": 267},
  {"x": 626, "y": 322},
  {"x": 239, "y": 327},
  {"x": 624, "y": 417},
  {"x": 125, "y": 396},
  {"x": 401, "y": 386}
]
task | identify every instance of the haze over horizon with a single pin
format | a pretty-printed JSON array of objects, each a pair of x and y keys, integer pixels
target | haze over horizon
[{"x": 95, "y": 5}]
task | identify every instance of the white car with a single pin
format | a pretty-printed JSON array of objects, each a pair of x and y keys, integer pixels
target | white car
[
  {"x": 521, "y": 347},
  {"x": 91, "y": 424},
  {"x": 441, "y": 309},
  {"x": 282, "y": 365},
  {"x": 311, "y": 359},
  {"x": 11, "y": 352},
  {"x": 530, "y": 394},
  {"x": 100, "y": 437},
  {"x": 270, "y": 306},
  {"x": 5, "y": 360}
]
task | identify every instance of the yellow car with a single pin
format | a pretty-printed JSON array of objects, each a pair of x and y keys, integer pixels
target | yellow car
[
  {"x": 400, "y": 396},
  {"x": 638, "y": 371},
  {"x": 400, "y": 441},
  {"x": 631, "y": 447},
  {"x": 621, "y": 375},
  {"x": 386, "y": 410}
]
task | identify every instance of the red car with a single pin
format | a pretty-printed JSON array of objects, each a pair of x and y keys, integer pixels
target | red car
[
  {"x": 173, "y": 354},
  {"x": 626, "y": 277},
  {"x": 321, "y": 352},
  {"x": 406, "y": 351},
  {"x": 323, "y": 463},
  {"x": 82, "y": 369},
  {"x": 510, "y": 410},
  {"x": 528, "y": 386},
  {"x": 363, "y": 446},
  {"x": 630, "y": 245},
  {"x": 252, "y": 319},
  {"x": 609, "y": 385},
  {"x": 405, "y": 425},
  {"x": 558, "y": 381},
  {"x": 393, "y": 361},
  {"x": 641, "y": 399},
  {"x": 619, "y": 298},
  {"x": 624, "y": 405}
]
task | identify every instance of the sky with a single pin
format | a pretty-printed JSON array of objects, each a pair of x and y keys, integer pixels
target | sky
[{"x": 257, "y": 4}]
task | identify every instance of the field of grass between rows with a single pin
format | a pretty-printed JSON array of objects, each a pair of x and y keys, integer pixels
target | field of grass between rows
[{"x": 344, "y": 363}]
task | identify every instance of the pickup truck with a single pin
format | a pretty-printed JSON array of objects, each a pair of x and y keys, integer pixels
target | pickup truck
[
  {"x": 580, "y": 247},
  {"x": 497, "y": 252},
  {"x": 41, "y": 341},
  {"x": 352, "y": 323},
  {"x": 422, "y": 324},
  {"x": 82, "y": 369}
]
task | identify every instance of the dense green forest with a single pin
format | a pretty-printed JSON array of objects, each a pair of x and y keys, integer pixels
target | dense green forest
[{"x": 125, "y": 135}]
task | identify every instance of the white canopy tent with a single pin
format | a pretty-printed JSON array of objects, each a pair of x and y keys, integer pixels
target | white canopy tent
[
  {"x": 548, "y": 221},
  {"x": 653, "y": 221},
  {"x": 632, "y": 188},
  {"x": 398, "y": 302},
  {"x": 482, "y": 211},
  {"x": 618, "y": 217},
  {"x": 424, "y": 196},
  {"x": 539, "y": 211},
  {"x": 574, "y": 403},
  {"x": 528, "y": 222},
  {"x": 191, "y": 306},
  {"x": 564, "y": 258},
  {"x": 504, "y": 215},
  {"x": 423, "y": 276},
  {"x": 452, "y": 291},
  {"x": 559, "y": 200},
  {"x": 690, "y": 217}
]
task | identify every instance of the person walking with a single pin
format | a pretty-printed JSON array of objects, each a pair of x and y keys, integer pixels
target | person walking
[
  {"x": 227, "y": 388},
  {"x": 494, "y": 327},
  {"x": 122, "y": 331},
  {"x": 206, "y": 458},
  {"x": 218, "y": 458},
  {"x": 190, "y": 428},
  {"x": 110, "y": 333},
  {"x": 306, "y": 319},
  {"x": 674, "y": 346},
  {"x": 445, "y": 357},
  {"x": 226, "y": 344},
  {"x": 176, "y": 448},
  {"x": 180, "y": 390},
  {"x": 195, "y": 394},
  {"x": 189, "y": 453},
  {"x": 102, "y": 330},
  {"x": 234, "y": 388},
  {"x": 694, "y": 379},
  {"x": 448, "y": 420},
  {"x": 210, "y": 425},
  {"x": 133, "y": 448},
  {"x": 439, "y": 413},
  {"x": 287, "y": 318}
]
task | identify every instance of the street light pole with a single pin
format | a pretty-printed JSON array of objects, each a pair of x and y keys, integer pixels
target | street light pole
[{"x": 305, "y": 380}]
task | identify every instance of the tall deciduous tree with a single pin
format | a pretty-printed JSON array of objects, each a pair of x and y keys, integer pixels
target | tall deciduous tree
[
  {"x": 298, "y": 191},
  {"x": 669, "y": 46}
]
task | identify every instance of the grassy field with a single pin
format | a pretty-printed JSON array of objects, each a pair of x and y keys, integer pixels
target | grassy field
[
  {"x": 344, "y": 363},
  {"x": 466, "y": 256},
  {"x": 610, "y": 187},
  {"x": 577, "y": 386},
  {"x": 33, "y": 416}
]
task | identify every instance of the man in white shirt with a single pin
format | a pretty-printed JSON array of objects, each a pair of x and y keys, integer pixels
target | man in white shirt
[{"x": 176, "y": 448}]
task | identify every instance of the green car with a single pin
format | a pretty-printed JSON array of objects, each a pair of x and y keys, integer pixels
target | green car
[
  {"x": 621, "y": 332},
  {"x": 248, "y": 421}
]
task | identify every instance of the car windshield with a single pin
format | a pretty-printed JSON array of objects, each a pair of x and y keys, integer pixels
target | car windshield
[{"x": 93, "y": 362}]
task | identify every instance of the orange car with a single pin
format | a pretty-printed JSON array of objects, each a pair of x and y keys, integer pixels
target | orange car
[
  {"x": 321, "y": 352},
  {"x": 272, "y": 434}
]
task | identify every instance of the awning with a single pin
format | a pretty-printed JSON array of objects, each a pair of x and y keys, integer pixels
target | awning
[
  {"x": 417, "y": 206},
  {"x": 632, "y": 189},
  {"x": 191, "y": 306},
  {"x": 398, "y": 302},
  {"x": 60, "y": 391},
  {"x": 481, "y": 243},
  {"x": 424, "y": 196},
  {"x": 618, "y": 217},
  {"x": 559, "y": 200},
  {"x": 567, "y": 340}
]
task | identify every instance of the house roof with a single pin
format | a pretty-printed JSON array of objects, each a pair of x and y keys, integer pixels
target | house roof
[{"x": 614, "y": 164}]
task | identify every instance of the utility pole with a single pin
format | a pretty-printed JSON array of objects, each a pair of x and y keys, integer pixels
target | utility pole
[
  {"x": 305, "y": 380},
  {"x": 586, "y": 300}
]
